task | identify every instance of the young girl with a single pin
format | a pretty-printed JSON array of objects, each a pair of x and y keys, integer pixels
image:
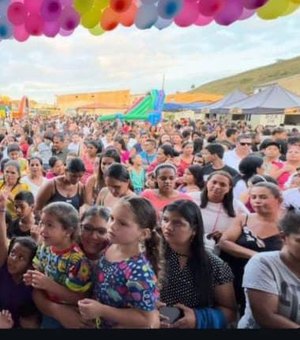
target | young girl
[
  {"x": 15, "y": 259},
  {"x": 137, "y": 174},
  {"x": 127, "y": 289},
  {"x": 192, "y": 179},
  {"x": 61, "y": 269}
]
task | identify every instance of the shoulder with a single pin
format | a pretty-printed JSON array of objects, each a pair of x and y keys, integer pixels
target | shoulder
[{"x": 221, "y": 271}]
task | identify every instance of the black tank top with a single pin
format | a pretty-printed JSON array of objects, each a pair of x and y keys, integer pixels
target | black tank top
[{"x": 75, "y": 200}]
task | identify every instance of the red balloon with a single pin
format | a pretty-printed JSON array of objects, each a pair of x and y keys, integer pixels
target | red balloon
[
  {"x": 16, "y": 13},
  {"x": 127, "y": 18},
  {"x": 120, "y": 6},
  {"x": 109, "y": 19},
  {"x": 210, "y": 8}
]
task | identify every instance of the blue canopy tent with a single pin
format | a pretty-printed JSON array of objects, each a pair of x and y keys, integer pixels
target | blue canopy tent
[{"x": 175, "y": 107}]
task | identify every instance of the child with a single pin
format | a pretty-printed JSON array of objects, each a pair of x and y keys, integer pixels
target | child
[
  {"x": 137, "y": 174},
  {"x": 14, "y": 153},
  {"x": 61, "y": 269},
  {"x": 127, "y": 289},
  {"x": 24, "y": 202},
  {"x": 15, "y": 259},
  {"x": 57, "y": 167}
]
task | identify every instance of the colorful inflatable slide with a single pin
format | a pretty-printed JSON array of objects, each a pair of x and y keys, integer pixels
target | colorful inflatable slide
[{"x": 148, "y": 108}]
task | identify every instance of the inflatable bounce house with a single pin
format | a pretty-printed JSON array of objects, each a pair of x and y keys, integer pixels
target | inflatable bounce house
[{"x": 147, "y": 108}]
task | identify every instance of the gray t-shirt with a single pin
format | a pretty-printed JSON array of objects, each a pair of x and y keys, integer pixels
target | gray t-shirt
[{"x": 266, "y": 272}]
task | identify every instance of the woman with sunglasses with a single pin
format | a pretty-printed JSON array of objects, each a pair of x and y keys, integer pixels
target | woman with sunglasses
[{"x": 92, "y": 240}]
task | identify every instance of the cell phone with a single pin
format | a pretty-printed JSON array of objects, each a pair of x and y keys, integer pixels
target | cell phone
[{"x": 172, "y": 313}]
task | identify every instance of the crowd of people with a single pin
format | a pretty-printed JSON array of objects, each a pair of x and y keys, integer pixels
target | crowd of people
[{"x": 186, "y": 224}]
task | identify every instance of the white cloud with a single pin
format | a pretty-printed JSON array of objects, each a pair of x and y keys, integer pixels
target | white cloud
[{"x": 128, "y": 58}]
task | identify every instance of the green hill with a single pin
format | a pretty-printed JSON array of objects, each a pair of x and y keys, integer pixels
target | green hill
[{"x": 248, "y": 80}]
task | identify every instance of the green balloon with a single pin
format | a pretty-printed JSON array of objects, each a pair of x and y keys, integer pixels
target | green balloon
[
  {"x": 83, "y": 6},
  {"x": 97, "y": 30}
]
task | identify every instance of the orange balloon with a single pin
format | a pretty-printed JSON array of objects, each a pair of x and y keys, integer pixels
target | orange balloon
[
  {"x": 109, "y": 19},
  {"x": 127, "y": 18}
]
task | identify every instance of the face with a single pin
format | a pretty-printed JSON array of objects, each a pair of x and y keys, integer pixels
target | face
[
  {"x": 59, "y": 168},
  {"x": 14, "y": 155},
  {"x": 272, "y": 151},
  {"x": 116, "y": 187},
  {"x": 93, "y": 235},
  {"x": 165, "y": 138},
  {"x": 138, "y": 160},
  {"x": 23, "y": 209},
  {"x": 11, "y": 174},
  {"x": 57, "y": 144},
  {"x": 91, "y": 150},
  {"x": 295, "y": 182},
  {"x": 149, "y": 146},
  {"x": 188, "y": 149},
  {"x": 176, "y": 139},
  {"x": 293, "y": 153},
  {"x": 207, "y": 156},
  {"x": 74, "y": 177},
  {"x": 166, "y": 179},
  {"x": 245, "y": 144},
  {"x": 292, "y": 244},
  {"x": 262, "y": 200},
  {"x": 105, "y": 163},
  {"x": 217, "y": 187},
  {"x": 160, "y": 156},
  {"x": 122, "y": 226},
  {"x": 176, "y": 230},
  {"x": 35, "y": 166},
  {"x": 52, "y": 231},
  {"x": 188, "y": 177},
  {"x": 198, "y": 160},
  {"x": 18, "y": 260}
]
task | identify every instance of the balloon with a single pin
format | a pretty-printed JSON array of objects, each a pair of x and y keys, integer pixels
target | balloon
[
  {"x": 167, "y": 9},
  {"x": 100, "y": 5},
  {"x": 229, "y": 13},
  {"x": 20, "y": 33},
  {"x": 163, "y": 23},
  {"x": 127, "y": 18},
  {"x": 247, "y": 13},
  {"x": 83, "y": 6},
  {"x": 69, "y": 19},
  {"x": 253, "y": 4},
  {"x": 51, "y": 28},
  {"x": 90, "y": 19},
  {"x": 148, "y": 2},
  {"x": 16, "y": 13},
  {"x": 146, "y": 17},
  {"x": 65, "y": 33},
  {"x": 295, "y": 1},
  {"x": 97, "y": 30},
  {"x": 65, "y": 3},
  {"x": 273, "y": 9},
  {"x": 6, "y": 30},
  {"x": 51, "y": 10},
  {"x": 211, "y": 7},
  {"x": 292, "y": 8},
  {"x": 34, "y": 24},
  {"x": 3, "y": 6},
  {"x": 188, "y": 15},
  {"x": 109, "y": 19},
  {"x": 120, "y": 6},
  {"x": 203, "y": 20},
  {"x": 33, "y": 6}
]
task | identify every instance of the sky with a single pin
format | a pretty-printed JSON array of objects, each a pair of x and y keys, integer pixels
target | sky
[{"x": 128, "y": 58}]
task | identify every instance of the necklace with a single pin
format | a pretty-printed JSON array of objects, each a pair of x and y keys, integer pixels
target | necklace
[{"x": 180, "y": 255}]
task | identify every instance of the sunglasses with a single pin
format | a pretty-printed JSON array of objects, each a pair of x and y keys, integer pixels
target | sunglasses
[{"x": 243, "y": 144}]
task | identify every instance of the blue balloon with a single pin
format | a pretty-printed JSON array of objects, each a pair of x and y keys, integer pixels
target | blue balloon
[
  {"x": 163, "y": 23},
  {"x": 167, "y": 9},
  {"x": 146, "y": 17},
  {"x": 6, "y": 30}
]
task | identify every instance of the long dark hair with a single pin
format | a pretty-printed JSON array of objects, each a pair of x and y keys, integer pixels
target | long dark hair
[
  {"x": 146, "y": 217},
  {"x": 228, "y": 198},
  {"x": 198, "y": 260}
]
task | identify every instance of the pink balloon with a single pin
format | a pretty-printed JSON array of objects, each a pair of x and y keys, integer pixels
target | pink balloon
[
  {"x": 51, "y": 10},
  {"x": 51, "y": 28},
  {"x": 188, "y": 14},
  {"x": 34, "y": 24},
  {"x": 231, "y": 12},
  {"x": 20, "y": 33},
  {"x": 69, "y": 19},
  {"x": 16, "y": 13},
  {"x": 247, "y": 13},
  {"x": 33, "y": 6},
  {"x": 211, "y": 7},
  {"x": 65, "y": 33},
  {"x": 253, "y": 4},
  {"x": 203, "y": 20}
]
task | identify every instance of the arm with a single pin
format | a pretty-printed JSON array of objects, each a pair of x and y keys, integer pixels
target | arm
[
  {"x": 89, "y": 186},
  {"x": 43, "y": 195},
  {"x": 3, "y": 238},
  {"x": 226, "y": 302},
  {"x": 267, "y": 314},
  {"x": 124, "y": 317},
  {"x": 101, "y": 196},
  {"x": 227, "y": 241}
]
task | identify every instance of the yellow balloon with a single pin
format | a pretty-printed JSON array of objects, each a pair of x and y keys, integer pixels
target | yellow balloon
[
  {"x": 273, "y": 9},
  {"x": 97, "y": 30},
  {"x": 295, "y": 1},
  {"x": 292, "y": 8},
  {"x": 82, "y": 6},
  {"x": 90, "y": 19},
  {"x": 101, "y": 4}
]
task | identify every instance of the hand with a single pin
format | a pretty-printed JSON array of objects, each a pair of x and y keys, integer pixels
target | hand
[
  {"x": 89, "y": 309},
  {"x": 188, "y": 320},
  {"x": 6, "y": 321},
  {"x": 216, "y": 235},
  {"x": 36, "y": 279}
]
